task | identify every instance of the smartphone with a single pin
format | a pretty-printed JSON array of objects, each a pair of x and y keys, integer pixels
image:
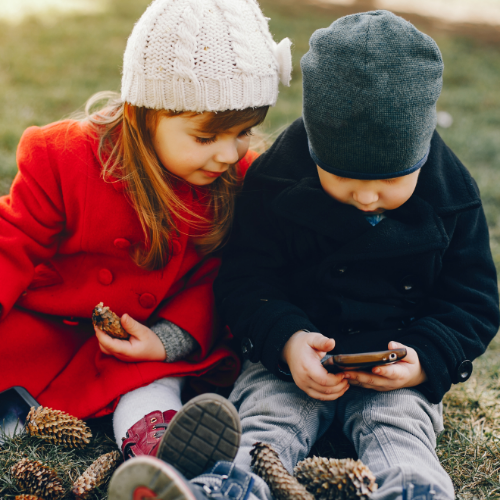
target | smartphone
[
  {"x": 15, "y": 404},
  {"x": 362, "y": 360}
]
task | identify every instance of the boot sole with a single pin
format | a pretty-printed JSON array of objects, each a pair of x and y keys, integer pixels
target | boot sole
[
  {"x": 206, "y": 430},
  {"x": 147, "y": 478}
]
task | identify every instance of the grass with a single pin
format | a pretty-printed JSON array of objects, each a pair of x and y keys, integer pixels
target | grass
[
  {"x": 49, "y": 69},
  {"x": 68, "y": 463}
]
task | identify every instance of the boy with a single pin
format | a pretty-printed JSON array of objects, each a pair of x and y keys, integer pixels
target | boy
[{"x": 357, "y": 231}]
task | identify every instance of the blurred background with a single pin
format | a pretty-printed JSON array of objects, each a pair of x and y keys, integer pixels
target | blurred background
[{"x": 54, "y": 54}]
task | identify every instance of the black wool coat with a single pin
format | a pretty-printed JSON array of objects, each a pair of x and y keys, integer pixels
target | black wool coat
[{"x": 298, "y": 259}]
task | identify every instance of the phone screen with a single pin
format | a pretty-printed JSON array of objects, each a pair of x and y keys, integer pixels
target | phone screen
[{"x": 13, "y": 412}]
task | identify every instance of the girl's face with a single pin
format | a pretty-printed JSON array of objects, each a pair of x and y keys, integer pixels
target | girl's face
[
  {"x": 371, "y": 197},
  {"x": 188, "y": 152}
]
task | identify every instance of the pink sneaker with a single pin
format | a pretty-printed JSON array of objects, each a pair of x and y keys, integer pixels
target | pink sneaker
[{"x": 144, "y": 436}]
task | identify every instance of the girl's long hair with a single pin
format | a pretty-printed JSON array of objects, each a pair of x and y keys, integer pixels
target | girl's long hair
[{"x": 127, "y": 154}]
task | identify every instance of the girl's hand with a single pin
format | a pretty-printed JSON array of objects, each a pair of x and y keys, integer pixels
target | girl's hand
[
  {"x": 405, "y": 373},
  {"x": 143, "y": 344},
  {"x": 303, "y": 353}
]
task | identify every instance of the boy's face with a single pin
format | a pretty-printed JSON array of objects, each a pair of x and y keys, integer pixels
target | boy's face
[{"x": 371, "y": 197}]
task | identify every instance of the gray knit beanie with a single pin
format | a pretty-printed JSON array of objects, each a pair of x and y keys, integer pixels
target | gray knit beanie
[{"x": 371, "y": 82}]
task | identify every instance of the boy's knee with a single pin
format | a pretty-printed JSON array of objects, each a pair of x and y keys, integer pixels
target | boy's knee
[
  {"x": 257, "y": 390},
  {"x": 405, "y": 405},
  {"x": 403, "y": 410}
]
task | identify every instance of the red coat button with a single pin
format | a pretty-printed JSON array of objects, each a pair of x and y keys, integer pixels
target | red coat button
[
  {"x": 176, "y": 247},
  {"x": 105, "y": 277},
  {"x": 147, "y": 300},
  {"x": 121, "y": 243},
  {"x": 70, "y": 322}
]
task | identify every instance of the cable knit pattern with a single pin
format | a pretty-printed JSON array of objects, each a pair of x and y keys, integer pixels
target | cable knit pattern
[
  {"x": 240, "y": 44},
  {"x": 185, "y": 47},
  {"x": 263, "y": 23},
  {"x": 201, "y": 55},
  {"x": 177, "y": 342}
]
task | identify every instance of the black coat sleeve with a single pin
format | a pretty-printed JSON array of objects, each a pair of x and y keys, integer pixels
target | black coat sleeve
[
  {"x": 462, "y": 314},
  {"x": 251, "y": 289}
]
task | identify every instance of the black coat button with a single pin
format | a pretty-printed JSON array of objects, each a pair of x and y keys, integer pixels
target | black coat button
[
  {"x": 407, "y": 284},
  {"x": 340, "y": 271},
  {"x": 464, "y": 371},
  {"x": 246, "y": 347},
  {"x": 350, "y": 330}
]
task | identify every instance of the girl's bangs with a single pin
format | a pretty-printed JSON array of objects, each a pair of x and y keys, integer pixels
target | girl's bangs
[{"x": 216, "y": 123}]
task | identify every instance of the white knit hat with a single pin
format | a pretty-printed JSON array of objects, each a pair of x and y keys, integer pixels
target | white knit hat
[{"x": 204, "y": 55}]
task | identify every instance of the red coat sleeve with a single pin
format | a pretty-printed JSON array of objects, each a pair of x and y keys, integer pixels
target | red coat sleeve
[{"x": 31, "y": 218}]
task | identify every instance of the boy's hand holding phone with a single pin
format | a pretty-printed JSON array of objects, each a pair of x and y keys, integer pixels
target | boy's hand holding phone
[
  {"x": 303, "y": 353},
  {"x": 405, "y": 373},
  {"x": 143, "y": 344}
]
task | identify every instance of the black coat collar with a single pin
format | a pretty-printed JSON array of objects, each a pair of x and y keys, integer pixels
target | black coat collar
[{"x": 444, "y": 187}]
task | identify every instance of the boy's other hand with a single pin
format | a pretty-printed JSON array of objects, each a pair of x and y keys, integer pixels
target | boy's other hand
[
  {"x": 303, "y": 353},
  {"x": 143, "y": 344},
  {"x": 405, "y": 373}
]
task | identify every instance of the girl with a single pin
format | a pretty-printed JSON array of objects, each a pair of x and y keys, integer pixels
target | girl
[{"x": 125, "y": 207}]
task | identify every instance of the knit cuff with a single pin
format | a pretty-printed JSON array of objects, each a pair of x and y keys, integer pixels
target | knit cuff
[{"x": 177, "y": 342}]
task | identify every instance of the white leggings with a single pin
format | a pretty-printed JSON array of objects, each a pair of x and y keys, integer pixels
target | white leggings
[{"x": 163, "y": 394}]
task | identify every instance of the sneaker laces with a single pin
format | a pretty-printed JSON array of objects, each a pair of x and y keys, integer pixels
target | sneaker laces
[
  {"x": 160, "y": 433},
  {"x": 128, "y": 453},
  {"x": 211, "y": 484}
]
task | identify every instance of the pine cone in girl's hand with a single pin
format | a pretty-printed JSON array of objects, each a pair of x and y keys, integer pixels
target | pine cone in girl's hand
[
  {"x": 335, "y": 479},
  {"x": 267, "y": 465},
  {"x": 37, "y": 479},
  {"x": 58, "y": 427},
  {"x": 96, "y": 474},
  {"x": 108, "y": 322}
]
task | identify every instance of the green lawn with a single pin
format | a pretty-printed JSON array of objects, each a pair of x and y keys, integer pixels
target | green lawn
[{"x": 49, "y": 69}]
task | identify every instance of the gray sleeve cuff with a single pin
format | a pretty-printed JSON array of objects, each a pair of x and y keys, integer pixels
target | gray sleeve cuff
[{"x": 177, "y": 342}]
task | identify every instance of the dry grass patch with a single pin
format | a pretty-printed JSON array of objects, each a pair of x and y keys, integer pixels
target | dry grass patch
[{"x": 469, "y": 448}]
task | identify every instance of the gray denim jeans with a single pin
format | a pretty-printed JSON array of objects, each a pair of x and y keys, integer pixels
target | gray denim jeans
[{"x": 394, "y": 433}]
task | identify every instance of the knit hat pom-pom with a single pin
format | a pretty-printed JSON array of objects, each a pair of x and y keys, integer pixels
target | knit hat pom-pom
[{"x": 283, "y": 54}]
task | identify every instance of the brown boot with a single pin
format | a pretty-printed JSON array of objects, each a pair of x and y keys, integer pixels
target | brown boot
[{"x": 144, "y": 436}]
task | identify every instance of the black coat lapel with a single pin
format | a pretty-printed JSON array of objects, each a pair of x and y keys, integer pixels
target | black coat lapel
[
  {"x": 444, "y": 187},
  {"x": 307, "y": 204},
  {"x": 412, "y": 228}
]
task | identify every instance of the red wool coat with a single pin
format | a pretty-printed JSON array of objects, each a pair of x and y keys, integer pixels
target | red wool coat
[{"x": 65, "y": 237}]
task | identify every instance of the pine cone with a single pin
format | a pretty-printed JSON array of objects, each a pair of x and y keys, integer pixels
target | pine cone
[
  {"x": 108, "y": 322},
  {"x": 27, "y": 497},
  {"x": 37, "y": 479},
  {"x": 334, "y": 479},
  {"x": 96, "y": 474},
  {"x": 58, "y": 427},
  {"x": 268, "y": 466}
]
